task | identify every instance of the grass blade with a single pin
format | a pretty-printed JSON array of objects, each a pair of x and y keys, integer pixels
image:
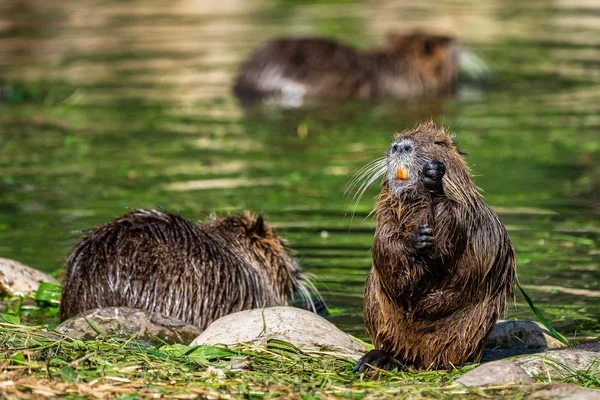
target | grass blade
[{"x": 542, "y": 319}]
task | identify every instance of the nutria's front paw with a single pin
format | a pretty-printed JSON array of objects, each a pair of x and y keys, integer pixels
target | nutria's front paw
[
  {"x": 378, "y": 359},
  {"x": 433, "y": 172},
  {"x": 423, "y": 238}
]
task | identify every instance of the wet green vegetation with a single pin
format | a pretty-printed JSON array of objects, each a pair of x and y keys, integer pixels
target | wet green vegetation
[{"x": 39, "y": 363}]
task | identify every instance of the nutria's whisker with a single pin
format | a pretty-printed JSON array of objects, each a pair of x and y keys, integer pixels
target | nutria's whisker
[
  {"x": 364, "y": 171},
  {"x": 309, "y": 292},
  {"x": 375, "y": 173},
  {"x": 473, "y": 66},
  {"x": 363, "y": 175},
  {"x": 305, "y": 295},
  {"x": 363, "y": 179}
]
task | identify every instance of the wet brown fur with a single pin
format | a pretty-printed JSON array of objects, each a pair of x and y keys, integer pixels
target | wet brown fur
[
  {"x": 410, "y": 65},
  {"x": 435, "y": 310},
  {"x": 158, "y": 261}
]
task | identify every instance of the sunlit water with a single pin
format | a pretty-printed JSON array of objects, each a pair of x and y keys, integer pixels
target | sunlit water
[{"x": 109, "y": 106}]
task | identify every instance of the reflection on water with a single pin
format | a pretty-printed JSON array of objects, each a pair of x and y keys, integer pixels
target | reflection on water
[{"x": 110, "y": 105}]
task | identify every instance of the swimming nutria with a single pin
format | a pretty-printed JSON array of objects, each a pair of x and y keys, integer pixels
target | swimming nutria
[
  {"x": 443, "y": 263},
  {"x": 158, "y": 261},
  {"x": 415, "y": 64}
]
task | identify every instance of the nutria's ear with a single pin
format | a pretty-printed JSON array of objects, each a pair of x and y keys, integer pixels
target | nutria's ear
[{"x": 259, "y": 227}]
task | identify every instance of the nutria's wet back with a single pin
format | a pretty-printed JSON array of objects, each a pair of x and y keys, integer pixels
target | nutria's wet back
[{"x": 158, "y": 261}]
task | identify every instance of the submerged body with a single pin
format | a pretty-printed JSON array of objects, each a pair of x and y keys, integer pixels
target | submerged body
[
  {"x": 411, "y": 65},
  {"x": 158, "y": 261},
  {"x": 443, "y": 263}
]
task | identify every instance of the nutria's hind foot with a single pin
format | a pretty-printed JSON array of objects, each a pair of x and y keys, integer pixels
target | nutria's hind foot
[
  {"x": 423, "y": 238},
  {"x": 433, "y": 172},
  {"x": 378, "y": 359}
]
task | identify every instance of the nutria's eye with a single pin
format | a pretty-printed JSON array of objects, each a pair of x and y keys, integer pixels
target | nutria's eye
[{"x": 440, "y": 143}]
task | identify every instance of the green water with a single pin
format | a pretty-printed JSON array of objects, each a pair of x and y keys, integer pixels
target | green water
[{"x": 111, "y": 106}]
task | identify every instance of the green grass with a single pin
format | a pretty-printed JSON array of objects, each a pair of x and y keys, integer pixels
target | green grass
[
  {"x": 39, "y": 364},
  {"x": 36, "y": 362}
]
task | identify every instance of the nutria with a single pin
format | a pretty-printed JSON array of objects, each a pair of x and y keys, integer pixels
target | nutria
[
  {"x": 443, "y": 263},
  {"x": 158, "y": 261},
  {"x": 410, "y": 65}
]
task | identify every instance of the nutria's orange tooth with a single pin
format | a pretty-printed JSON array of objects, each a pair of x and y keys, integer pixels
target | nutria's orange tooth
[{"x": 402, "y": 174}]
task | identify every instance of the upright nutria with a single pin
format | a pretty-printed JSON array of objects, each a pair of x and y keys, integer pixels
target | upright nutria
[
  {"x": 158, "y": 261},
  {"x": 415, "y": 64},
  {"x": 443, "y": 263}
]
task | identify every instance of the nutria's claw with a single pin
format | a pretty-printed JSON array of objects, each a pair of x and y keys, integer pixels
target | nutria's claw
[
  {"x": 423, "y": 238},
  {"x": 378, "y": 359},
  {"x": 433, "y": 172}
]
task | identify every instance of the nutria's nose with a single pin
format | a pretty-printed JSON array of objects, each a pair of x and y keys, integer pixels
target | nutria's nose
[{"x": 402, "y": 147}]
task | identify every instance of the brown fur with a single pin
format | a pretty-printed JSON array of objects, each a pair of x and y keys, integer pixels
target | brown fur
[
  {"x": 415, "y": 64},
  {"x": 157, "y": 261},
  {"x": 435, "y": 310}
]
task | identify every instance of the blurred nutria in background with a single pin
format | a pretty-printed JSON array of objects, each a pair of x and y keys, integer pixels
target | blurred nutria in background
[
  {"x": 410, "y": 65},
  {"x": 158, "y": 261}
]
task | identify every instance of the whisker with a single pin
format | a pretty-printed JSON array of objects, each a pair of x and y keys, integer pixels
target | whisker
[
  {"x": 363, "y": 188},
  {"x": 306, "y": 298},
  {"x": 367, "y": 179},
  {"x": 361, "y": 176},
  {"x": 366, "y": 176},
  {"x": 363, "y": 172},
  {"x": 309, "y": 293}
]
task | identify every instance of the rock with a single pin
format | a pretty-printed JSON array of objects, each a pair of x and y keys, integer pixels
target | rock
[
  {"x": 303, "y": 329},
  {"x": 590, "y": 346},
  {"x": 500, "y": 354},
  {"x": 125, "y": 322},
  {"x": 17, "y": 279},
  {"x": 564, "y": 391},
  {"x": 557, "y": 363},
  {"x": 496, "y": 373},
  {"x": 521, "y": 335}
]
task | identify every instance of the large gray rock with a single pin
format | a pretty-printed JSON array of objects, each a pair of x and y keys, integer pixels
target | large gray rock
[
  {"x": 555, "y": 364},
  {"x": 559, "y": 363},
  {"x": 17, "y": 279},
  {"x": 127, "y": 322},
  {"x": 521, "y": 335},
  {"x": 305, "y": 330},
  {"x": 496, "y": 373}
]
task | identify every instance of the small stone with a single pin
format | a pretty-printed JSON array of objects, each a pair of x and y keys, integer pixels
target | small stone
[
  {"x": 590, "y": 346},
  {"x": 240, "y": 364},
  {"x": 521, "y": 335},
  {"x": 303, "y": 329},
  {"x": 17, "y": 279},
  {"x": 126, "y": 322},
  {"x": 496, "y": 373},
  {"x": 557, "y": 364},
  {"x": 215, "y": 372},
  {"x": 564, "y": 391}
]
